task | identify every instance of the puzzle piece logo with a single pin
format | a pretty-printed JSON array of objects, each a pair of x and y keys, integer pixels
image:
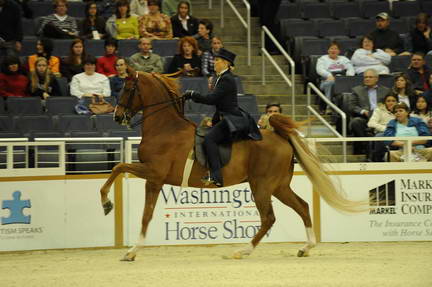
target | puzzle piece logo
[{"x": 16, "y": 207}]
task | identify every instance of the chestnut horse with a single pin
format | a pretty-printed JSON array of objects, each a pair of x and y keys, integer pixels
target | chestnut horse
[{"x": 168, "y": 137}]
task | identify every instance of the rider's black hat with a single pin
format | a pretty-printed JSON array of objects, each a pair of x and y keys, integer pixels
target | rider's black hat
[{"x": 226, "y": 55}]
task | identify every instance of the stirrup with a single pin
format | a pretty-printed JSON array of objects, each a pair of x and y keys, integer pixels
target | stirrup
[{"x": 208, "y": 179}]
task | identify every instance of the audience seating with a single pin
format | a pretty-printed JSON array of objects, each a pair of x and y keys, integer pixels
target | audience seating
[
  {"x": 2, "y": 106},
  {"x": 344, "y": 84},
  {"x": 28, "y": 125},
  {"x": 289, "y": 11},
  {"x": 24, "y": 106},
  {"x": 315, "y": 10},
  {"x": 69, "y": 123},
  {"x": 329, "y": 28},
  {"x": 343, "y": 10},
  {"x": 399, "y": 64},
  {"x": 405, "y": 8},
  {"x": 372, "y": 8},
  {"x": 61, "y": 105}
]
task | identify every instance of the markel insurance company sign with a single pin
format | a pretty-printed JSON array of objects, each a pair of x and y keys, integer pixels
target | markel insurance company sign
[
  {"x": 209, "y": 216},
  {"x": 400, "y": 208}
]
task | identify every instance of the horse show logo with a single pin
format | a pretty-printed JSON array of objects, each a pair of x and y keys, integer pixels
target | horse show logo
[
  {"x": 382, "y": 199},
  {"x": 16, "y": 207}
]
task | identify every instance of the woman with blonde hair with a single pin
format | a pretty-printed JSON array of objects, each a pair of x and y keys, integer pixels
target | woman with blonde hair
[
  {"x": 42, "y": 82},
  {"x": 187, "y": 59}
]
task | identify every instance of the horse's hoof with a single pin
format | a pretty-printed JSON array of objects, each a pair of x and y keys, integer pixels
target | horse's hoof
[
  {"x": 302, "y": 253},
  {"x": 128, "y": 258},
  {"x": 107, "y": 206},
  {"x": 237, "y": 255}
]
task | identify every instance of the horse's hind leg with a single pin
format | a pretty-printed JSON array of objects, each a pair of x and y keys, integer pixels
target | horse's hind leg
[
  {"x": 263, "y": 203},
  {"x": 134, "y": 168},
  {"x": 151, "y": 196},
  {"x": 287, "y": 196}
]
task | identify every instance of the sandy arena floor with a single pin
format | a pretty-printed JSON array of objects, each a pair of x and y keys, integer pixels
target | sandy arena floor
[{"x": 330, "y": 264}]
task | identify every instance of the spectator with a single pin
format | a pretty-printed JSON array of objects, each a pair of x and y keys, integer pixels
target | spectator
[
  {"x": 44, "y": 48},
  {"x": 93, "y": 25},
  {"x": 204, "y": 36},
  {"x": 273, "y": 108},
  {"x": 145, "y": 60},
  {"x": 169, "y": 7},
  {"x": 421, "y": 41},
  {"x": 182, "y": 23},
  {"x": 117, "y": 81},
  {"x": 59, "y": 25},
  {"x": 73, "y": 64},
  {"x": 404, "y": 125},
  {"x": 13, "y": 82},
  {"x": 155, "y": 25},
  {"x": 122, "y": 25},
  {"x": 363, "y": 101},
  {"x": 367, "y": 57},
  {"x": 402, "y": 88},
  {"x": 187, "y": 59},
  {"x": 419, "y": 73},
  {"x": 386, "y": 39},
  {"x": 428, "y": 93},
  {"x": 329, "y": 66},
  {"x": 106, "y": 64},
  {"x": 139, "y": 7},
  {"x": 43, "y": 83},
  {"x": 207, "y": 65},
  {"x": 383, "y": 114},
  {"x": 423, "y": 110},
  {"x": 89, "y": 83},
  {"x": 10, "y": 28}
]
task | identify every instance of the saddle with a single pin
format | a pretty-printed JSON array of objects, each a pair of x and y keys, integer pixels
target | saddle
[{"x": 200, "y": 155}]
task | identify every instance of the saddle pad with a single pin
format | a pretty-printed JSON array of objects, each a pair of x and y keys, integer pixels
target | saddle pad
[{"x": 200, "y": 156}]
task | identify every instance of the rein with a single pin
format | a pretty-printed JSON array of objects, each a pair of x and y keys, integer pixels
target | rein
[{"x": 174, "y": 100}]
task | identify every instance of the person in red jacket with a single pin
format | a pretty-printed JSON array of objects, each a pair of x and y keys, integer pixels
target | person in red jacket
[
  {"x": 13, "y": 82},
  {"x": 106, "y": 65}
]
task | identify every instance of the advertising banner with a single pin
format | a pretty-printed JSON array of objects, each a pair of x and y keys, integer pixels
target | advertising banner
[
  {"x": 53, "y": 214},
  {"x": 209, "y": 216},
  {"x": 400, "y": 208}
]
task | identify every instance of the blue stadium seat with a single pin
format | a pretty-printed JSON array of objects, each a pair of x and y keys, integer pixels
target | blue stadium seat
[
  {"x": 343, "y": 10},
  {"x": 28, "y": 47},
  {"x": 248, "y": 103},
  {"x": 7, "y": 123},
  {"x": 372, "y": 8},
  {"x": 95, "y": 47},
  {"x": 2, "y": 106},
  {"x": 360, "y": 27},
  {"x": 127, "y": 48},
  {"x": 28, "y": 28},
  {"x": 315, "y": 10},
  {"x": 73, "y": 123},
  {"x": 28, "y": 125},
  {"x": 198, "y": 84},
  {"x": 167, "y": 62},
  {"x": 76, "y": 9},
  {"x": 24, "y": 106},
  {"x": 399, "y": 64},
  {"x": 289, "y": 11},
  {"x": 165, "y": 47},
  {"x": 405, "y": 8},
  {"x": 61, "y": 105},
  {"x": 105, "y": 124},
  {"x": 62, "y": 47},
  {"x": 330, "y": 27},
  {"x": 41, "y": 8}
]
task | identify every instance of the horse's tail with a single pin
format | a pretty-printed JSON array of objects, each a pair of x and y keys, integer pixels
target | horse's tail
[{"x": 315, "y": 171}]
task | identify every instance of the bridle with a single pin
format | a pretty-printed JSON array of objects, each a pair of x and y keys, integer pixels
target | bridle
[{"x": 178, "y": 103}]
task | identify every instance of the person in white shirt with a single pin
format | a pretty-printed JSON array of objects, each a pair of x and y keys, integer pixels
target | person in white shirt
[
  {"x": 329, "y": 66},
  {"x": 367, "y": 57},
  {"x": 89, "y": 83}
]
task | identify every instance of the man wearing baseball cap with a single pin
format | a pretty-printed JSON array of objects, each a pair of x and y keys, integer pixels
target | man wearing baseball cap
[{"x": 385, "y": 38}]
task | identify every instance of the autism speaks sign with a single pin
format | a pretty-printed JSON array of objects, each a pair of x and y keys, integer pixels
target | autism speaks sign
[{"x": 208, "y": 216}]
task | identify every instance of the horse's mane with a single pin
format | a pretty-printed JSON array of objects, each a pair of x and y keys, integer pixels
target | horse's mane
[{"x": 171, "y": 83}]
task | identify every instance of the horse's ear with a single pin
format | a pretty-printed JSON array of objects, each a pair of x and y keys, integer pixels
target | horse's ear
[{"x": 131, "y": 71}]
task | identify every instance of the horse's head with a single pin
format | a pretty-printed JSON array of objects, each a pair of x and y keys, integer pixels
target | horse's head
[{"x": 129, "y": 103}]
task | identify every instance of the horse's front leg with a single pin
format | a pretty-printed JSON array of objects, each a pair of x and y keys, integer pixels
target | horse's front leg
[
  {"x": 152, "y": 192},
  {"x": 137, "y": 169}
]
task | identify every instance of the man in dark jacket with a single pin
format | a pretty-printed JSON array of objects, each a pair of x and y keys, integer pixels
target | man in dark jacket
[
  {"x": 419, "y": 73},
  {"x": 229, "y": 122},
  {"x": 386, "y": 39},
  {"x": 363, "y": 101},
  {"x": 10, "y": 28}
]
